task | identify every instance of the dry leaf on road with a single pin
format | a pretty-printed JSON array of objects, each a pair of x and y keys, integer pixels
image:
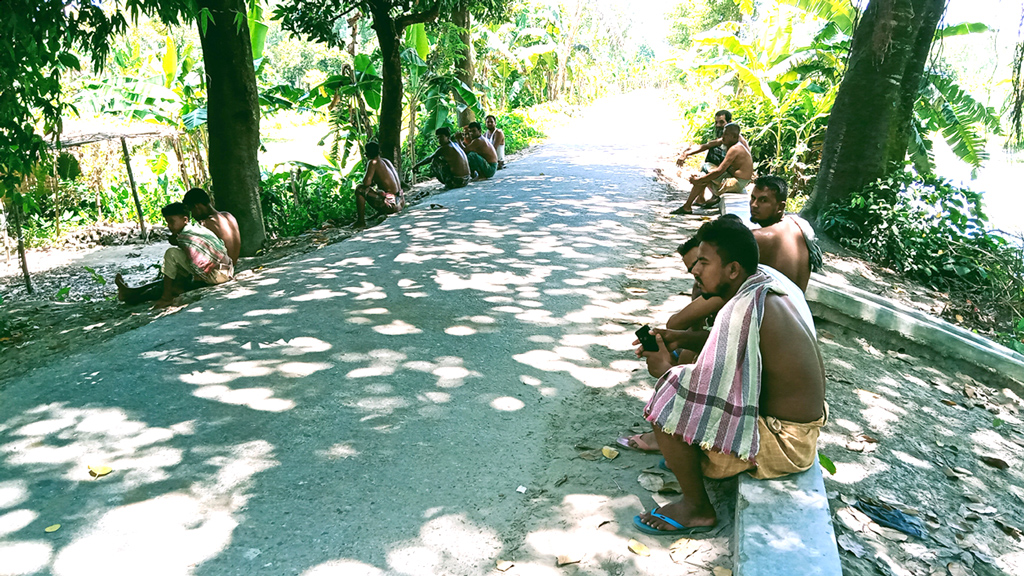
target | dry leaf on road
[
  {"x": 846, "y": 542},
  {"x": 994, "y": 462},
  {"x": 99, "y": 471},
  {"x": 720, "y": 571},
  {"x": 609, "y": 452},
  {"x": 651, "y": 482},
  {"x": 503, "y": 565},
  {"x": 639, "y": 548},
  {"x": 52, "y": 528},
  {"x": 590, "y": 454},
  {"x": 566, "y": 559}
]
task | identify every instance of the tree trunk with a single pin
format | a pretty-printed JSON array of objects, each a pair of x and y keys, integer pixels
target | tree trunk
[
  {"x": 465, "y": 70},
  {"x": 233, "y": 119},
  {"x": 16, "y": 211},
  {"x": 390, "y": 132},
  {"x": 135, "y": 191},
  {"x": 869, "y": 127}
]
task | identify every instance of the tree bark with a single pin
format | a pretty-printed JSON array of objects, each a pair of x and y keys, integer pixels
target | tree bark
[
  {"x": 16, "y": 211},
  {"x": 233, "y": 119},
  {"x": 465, "y": 70},
  {"x": 389, "y": 37},
  {"x": 869, "y": 127},
  {"x": 135, "y": 190}
]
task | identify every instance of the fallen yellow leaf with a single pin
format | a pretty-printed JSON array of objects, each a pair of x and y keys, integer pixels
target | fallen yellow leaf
[
  {"x": 504, "y": 565},
  {"x": 720, "y": 571},
  {"x": 52, "y": 528},
  {"x": 99, "y": 471},
  {"x": 639, "y": 548},
  {"x": 609, "y": 452},
  {"x": 565, "y": 559}
]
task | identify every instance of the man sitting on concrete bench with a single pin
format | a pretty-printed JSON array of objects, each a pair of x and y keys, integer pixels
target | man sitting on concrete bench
[
  {"x": 754, "y": 399},
  {"x": 197, "y": 258}
]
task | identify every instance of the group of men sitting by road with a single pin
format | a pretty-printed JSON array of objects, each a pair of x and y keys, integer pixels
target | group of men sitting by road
[{"x": 741, "y": 380}]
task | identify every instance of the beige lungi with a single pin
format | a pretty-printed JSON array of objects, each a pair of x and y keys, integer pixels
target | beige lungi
[
  {"x": 177, "y": 265},
  {"x": 784, "y": 448}
]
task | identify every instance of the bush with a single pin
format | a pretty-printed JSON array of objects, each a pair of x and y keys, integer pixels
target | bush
[
  {"x": 319, "y": 194},
  {"x": 928, "y": 230}
]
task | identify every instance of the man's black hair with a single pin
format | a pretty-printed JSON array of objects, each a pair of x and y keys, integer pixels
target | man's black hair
[
  {"x": 690, "y": 244},
  {"x": 443, "y": 131},
  {"x": 731, "y": 126},
  {"x": 372, "y": 150},
  {"x": 733, "y": 241},
  {"x": 195, "y": 196},
  {"x": 475, "y": 125},
  {"x": 175, "y": 209},
  {"x": 726, "y": 113},
  {"x": 776, "y": 185},
  {"x": 491, "y": 116}
]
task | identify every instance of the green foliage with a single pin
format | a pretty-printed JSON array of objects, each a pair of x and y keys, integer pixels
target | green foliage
[
  {"x": 931, "y": 231},
  {"x": 826, "y": 463},
  {"x": 519, "y": 132},
  {"x": 691, "y": 18},
  {"x": 297, "y": 200}
]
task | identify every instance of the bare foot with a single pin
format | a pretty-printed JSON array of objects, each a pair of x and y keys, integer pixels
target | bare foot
[
  {"x": 161, "y": 304},
  {"x": 122, "y": 287},
  {"x": 360, "y": 224},
  {"x": 682, "y": 513}
]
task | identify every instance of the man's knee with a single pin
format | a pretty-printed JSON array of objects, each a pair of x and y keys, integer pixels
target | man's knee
[{"x": 175, "y": 263}]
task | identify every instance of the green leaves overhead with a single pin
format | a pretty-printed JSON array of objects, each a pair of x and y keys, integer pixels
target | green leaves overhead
[
  {"x": 416, "y": 38},
  {"x": 960, "y": 30},
  {"x": 840, "y": 12},
  {"x": 169, "y": 63}
]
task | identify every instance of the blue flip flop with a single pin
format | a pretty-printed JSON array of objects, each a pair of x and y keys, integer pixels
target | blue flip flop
[
  {"x": 664, "y": 465},
  {"x": 680, "y": 530}
]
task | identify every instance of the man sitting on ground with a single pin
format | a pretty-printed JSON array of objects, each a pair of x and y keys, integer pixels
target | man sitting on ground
[
  {"x": 223, "y": 224},
  {"x": 496, "y": 136},
  {"x": 196, "y": 258},
  {"x": 387, "y": 197},
  {"x": 786, "y": 242},
  {"x": 448, "y": 163},
  {"x": 716, "y": 149},
  {"x": 753, "y": 401},
  {"x": 483, "y": 160},
  {"x": 732, "y": 175}
]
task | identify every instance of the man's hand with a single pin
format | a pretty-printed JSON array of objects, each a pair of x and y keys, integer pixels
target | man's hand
[{"x": 658, "y": 362}]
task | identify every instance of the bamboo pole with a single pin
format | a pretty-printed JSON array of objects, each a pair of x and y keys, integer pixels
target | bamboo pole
[
  {"x": 135, "y": 192},
  {"x": 3, "y": 232}
]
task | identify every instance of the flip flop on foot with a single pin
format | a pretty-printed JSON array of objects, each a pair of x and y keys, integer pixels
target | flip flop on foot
[
  {"x": 681, "y": 210},
  {"x": 680, "y": 530},
  {"x": 712, "y": 203},
  {"x": 636, "y": 442}
]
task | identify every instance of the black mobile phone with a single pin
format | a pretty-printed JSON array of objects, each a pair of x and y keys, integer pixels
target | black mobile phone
[{"x": 647, "y": 340}]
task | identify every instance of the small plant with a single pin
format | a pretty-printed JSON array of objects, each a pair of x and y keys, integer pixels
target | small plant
[
  {"x": 62, "y": 294},
  {"x": 98, "y": 278}
]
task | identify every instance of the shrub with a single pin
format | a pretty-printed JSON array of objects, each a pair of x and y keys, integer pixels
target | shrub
[
  {"x": 319, "y": 194},
  {"x": 928, "y": 230}
]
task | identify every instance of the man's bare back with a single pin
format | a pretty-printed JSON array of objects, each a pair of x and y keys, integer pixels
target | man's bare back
[
  {"x": 383, "y": 174},
  {"x": 783, "y": 247},
  {"x": 738, "y": 162},
  {"x": 483, "y": 147},
  {"x": 456, "y": 159},
  {"x": 792, "y": 370},
  {"x": 224, "y": 225}
]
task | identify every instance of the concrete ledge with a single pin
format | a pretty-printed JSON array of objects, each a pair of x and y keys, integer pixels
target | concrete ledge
[{"x": 784, "y": 527}]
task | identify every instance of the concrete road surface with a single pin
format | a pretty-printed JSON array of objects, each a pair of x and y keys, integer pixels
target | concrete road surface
[{"x": 413, "y": 400}]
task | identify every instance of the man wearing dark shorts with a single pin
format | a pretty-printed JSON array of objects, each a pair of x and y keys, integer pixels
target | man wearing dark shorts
[
  {"x": 387, "y": 197},
  {"x": 448, "y": 163},
  {"x": 483, "y": 160}
]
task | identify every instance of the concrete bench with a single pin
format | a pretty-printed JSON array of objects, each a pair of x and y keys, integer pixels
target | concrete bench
[{"x": 784, "y": 527}]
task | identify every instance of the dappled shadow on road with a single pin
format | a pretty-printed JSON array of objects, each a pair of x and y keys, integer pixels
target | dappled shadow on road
[{"x": 297, "y": 421}]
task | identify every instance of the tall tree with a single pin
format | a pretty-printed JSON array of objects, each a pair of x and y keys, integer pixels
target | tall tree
[
  {"x": 233, "y": 116},
  {"x": 464, "y": 71},
  {"x": 320, "y": 20},
  {"x": 48, "y": 32},
  {"x": 870, "y": 124}
]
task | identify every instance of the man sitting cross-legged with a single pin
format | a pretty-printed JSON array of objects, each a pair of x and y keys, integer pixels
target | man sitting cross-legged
[
  {"x": 483, "y": 160},
  {"x": 448, "y": 163},
  {"x": 387, "y": 197},
  {"x": 754, "y": 399},
  {"x": 197, "y": 258},
  {"x": 496, "y": 136},
  {"x": 716, "y": 150},
  {"x": 732, "y": 175},
  {"x": 223, "y": 224}
]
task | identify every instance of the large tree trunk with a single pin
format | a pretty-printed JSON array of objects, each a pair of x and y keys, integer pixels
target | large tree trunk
[
  {"x": 869, "y": 127},
  {"x": 389, "y": 35},
  {"x": 233, "y": 119},
  {"x": 465, "y": 70}
]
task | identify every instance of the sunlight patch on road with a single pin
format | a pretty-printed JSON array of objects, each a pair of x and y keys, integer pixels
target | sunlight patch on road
[
  {"x": 343, "y": 568},
  {"x": 271, "y": 312},
  {"x": 507, "y": 404},
  {"x": 460, "y": 331},
  {"x": 397, "y": 328},
  {"x": 256, "y": 398},
  {"x": 25, "y": 557}
]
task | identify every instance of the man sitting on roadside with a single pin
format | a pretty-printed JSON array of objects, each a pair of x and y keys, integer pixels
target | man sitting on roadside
[
  {"x": 753, "y": 401},
  {"x": 196, "y": 258},
  {"x": 448, "y": 163},
  {"x": 716, "y": 149},
  {"x": 496, "y": 136},
  {"x": 786, "y": 242},
  {"x": 732, "y": 175},
  {"x": 483, "y": 160},
  {"x": 387, "y": 197},
  {"x": 223, "y": 224}
]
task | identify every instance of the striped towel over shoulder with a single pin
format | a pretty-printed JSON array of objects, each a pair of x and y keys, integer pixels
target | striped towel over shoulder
[
  {"x": 205, "y": 250},
  {"x": 713, "y": 402}
]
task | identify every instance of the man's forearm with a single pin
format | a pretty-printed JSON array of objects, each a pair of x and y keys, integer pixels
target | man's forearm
[
  {"x": 690, "y": 339},
  {"x": 694, "y": 312}
]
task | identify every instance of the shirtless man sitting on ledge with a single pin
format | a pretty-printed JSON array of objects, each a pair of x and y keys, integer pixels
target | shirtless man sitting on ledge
[
  {"x": 381, "y": 187},
  {"x": 753, "y": 401},
  {"x": 732, "y": 175}
]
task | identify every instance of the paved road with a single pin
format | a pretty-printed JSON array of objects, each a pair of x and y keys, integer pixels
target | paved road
[{"x": 372, "y": 407}]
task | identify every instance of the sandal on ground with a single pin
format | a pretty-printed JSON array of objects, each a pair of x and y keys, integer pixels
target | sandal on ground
[
  {"x": 712, "y": 203},
  {"x": 680, "y": 530},
  {"x": 681, "y": 210},
  {"x": 641, "y": 446}
]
